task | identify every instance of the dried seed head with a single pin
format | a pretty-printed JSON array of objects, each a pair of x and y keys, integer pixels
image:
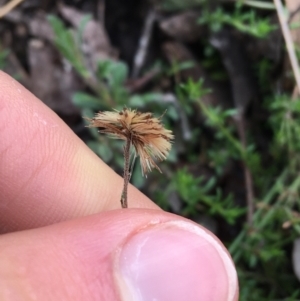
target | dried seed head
[{"x": 150, "y": 139}]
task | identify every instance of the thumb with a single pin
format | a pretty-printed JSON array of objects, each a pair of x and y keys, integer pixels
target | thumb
[{"x": 126, "y": 255}]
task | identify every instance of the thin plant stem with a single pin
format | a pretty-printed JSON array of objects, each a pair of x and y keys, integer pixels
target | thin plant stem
[
  {"x": 150, "y": 140},
  {"x": 5, "y": 9},
  {"x": 224, "y": 131},
  {"x": 141, "y": 54},
  {"x": 127, "y": 146},
  {"x": 247, "y": 172},
  {"x": 258, "y": 217},
  {"x": 241, "y": 147},
  {"x": 259, "y": 4},
  {"x": 288, "y": 40}
]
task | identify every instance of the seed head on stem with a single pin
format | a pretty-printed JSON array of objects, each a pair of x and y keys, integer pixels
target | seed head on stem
[{"x": 150, "y": 140}]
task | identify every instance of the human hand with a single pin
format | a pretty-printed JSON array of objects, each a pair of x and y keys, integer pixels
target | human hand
[{"x": 62, "y": 238}]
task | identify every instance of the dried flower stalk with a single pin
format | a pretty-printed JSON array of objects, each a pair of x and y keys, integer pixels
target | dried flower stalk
[{"x": 150, "y": 140}]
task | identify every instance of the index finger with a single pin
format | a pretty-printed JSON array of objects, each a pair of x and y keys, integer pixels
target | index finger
[{"x": 47, "y": 174}]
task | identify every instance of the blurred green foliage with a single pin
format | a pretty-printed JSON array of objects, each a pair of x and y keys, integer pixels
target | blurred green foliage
[
  {"x": 3, "y": 56},
  {"x": 197, "y": 195},
  {"x": 248, "y": 22},
  {"x": 171, "y": 5},
  {"x": 261, "y": 251}
]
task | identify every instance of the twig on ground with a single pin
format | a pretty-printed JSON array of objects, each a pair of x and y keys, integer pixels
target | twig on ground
[
  {"x": 5, "y": 9},
  {"x": 101, "y": 11},
  {"x": 295, "y": 93},
  {"x": 288, "y": 40},
  {"x": 244, "y": 91},
  {"x": 247, "y": 174},
  {"x": 135, "y": 85},
  {"x": 259, "y": 4},
  {"x": 141, "y": 53},
  {"x": 171, "y": 98}
]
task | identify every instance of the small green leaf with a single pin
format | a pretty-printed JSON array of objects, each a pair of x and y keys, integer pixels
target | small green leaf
[
  {"x": 102, "y": 150},
  {"x": 118, "y": 73},
  {"x": 114, "y": 72},
  {"x": 83, "y": 22},
  {"x": 172, "y": 113},
  {"x": 66, "y": 43},
  {"x": 136, "y": 101},
  {"x": 141, "y": 100},
  {"x": 84, "y": 100}
]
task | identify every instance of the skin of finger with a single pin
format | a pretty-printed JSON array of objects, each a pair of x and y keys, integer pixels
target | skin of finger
[
  {"x": 73, "y": 260},
  {"x": 47, "y": 173}
]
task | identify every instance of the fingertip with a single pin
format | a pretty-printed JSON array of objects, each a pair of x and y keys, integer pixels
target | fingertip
[
  {"x": 176, "y": 260},
  {"x": 47, "y": 173},
  {"x": 121, "y": 255}
]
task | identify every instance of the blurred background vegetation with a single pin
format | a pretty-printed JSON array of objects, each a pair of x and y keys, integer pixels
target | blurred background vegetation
[{"x": 221, "y": 71}]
